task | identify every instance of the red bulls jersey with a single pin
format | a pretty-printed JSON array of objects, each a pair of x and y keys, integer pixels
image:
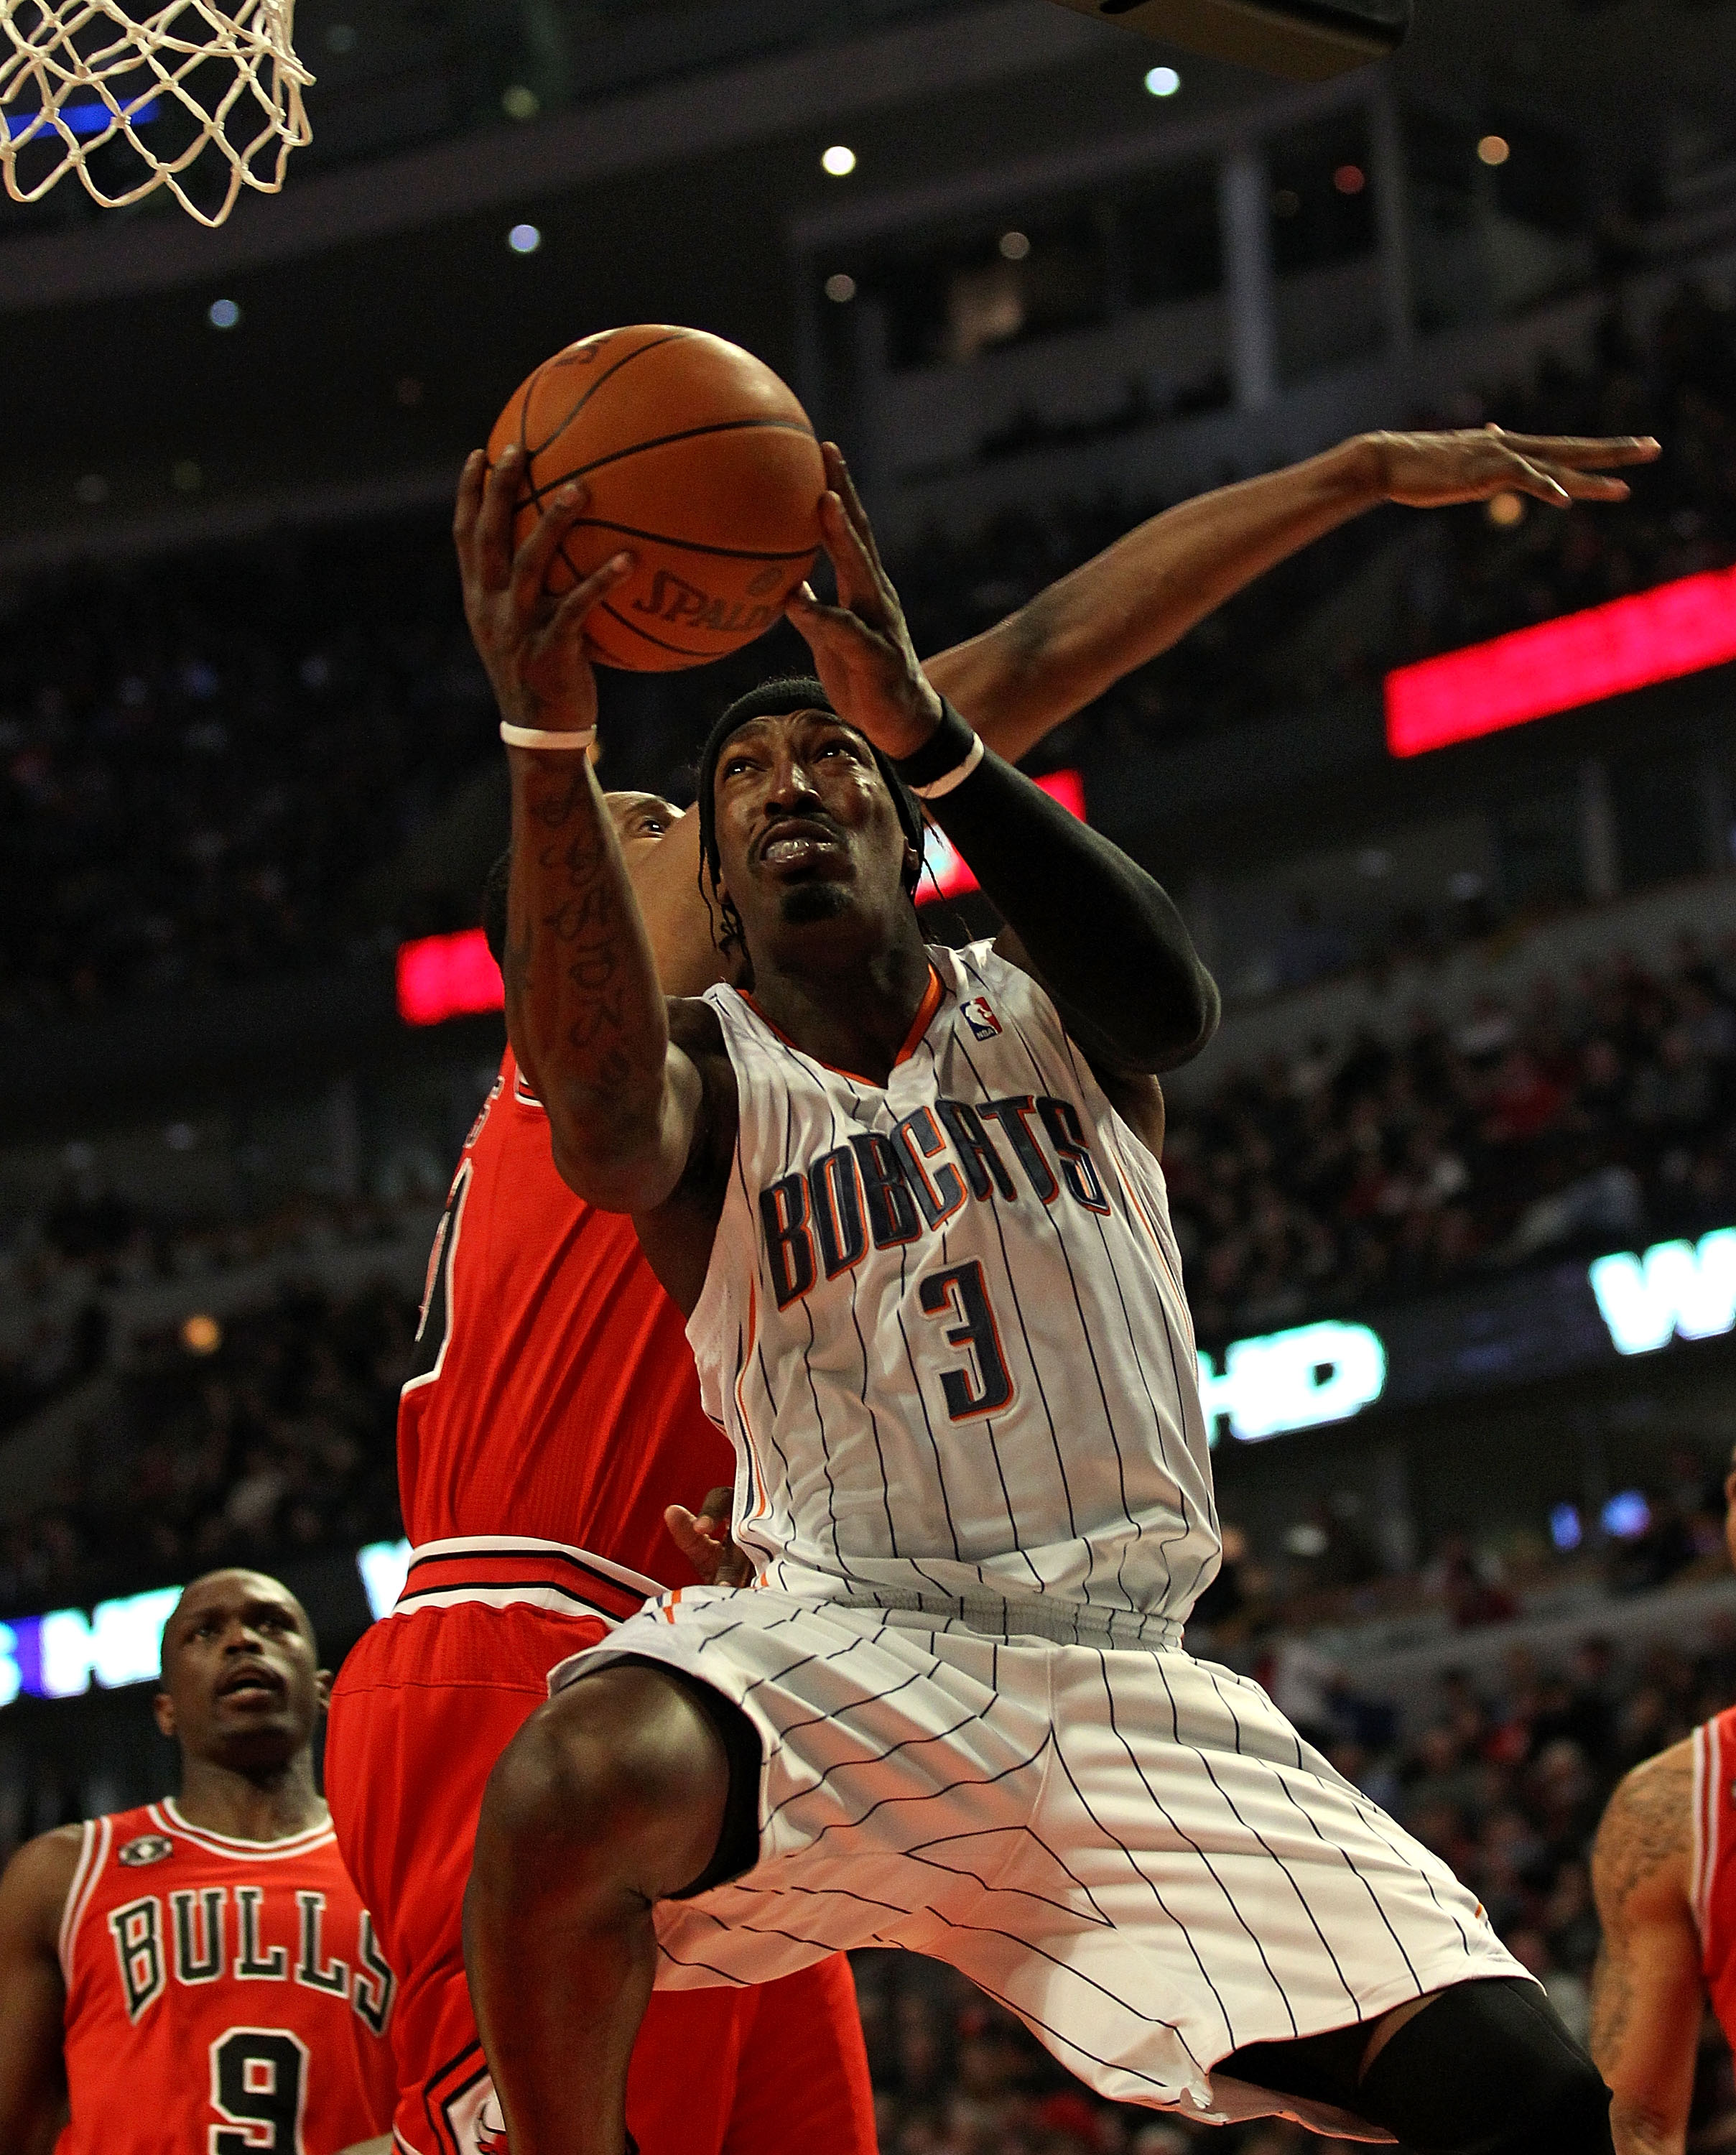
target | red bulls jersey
[
  {"x": 553, "y": 1395},
  {"x": 1713, "y": 1884},
  {"x": 222, "y": 1996}
]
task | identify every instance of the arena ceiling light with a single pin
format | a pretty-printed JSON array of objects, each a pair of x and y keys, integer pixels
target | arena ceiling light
[
  {"x": 1660, "y": 635},
  {"x": 1305, "y": 39}
]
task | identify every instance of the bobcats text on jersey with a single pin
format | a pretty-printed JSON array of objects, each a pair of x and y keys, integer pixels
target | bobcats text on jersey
[{"x": 893, "y": 1188}]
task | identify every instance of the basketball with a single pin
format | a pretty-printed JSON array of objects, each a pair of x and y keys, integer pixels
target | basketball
[{"x": 700, "y": 462}]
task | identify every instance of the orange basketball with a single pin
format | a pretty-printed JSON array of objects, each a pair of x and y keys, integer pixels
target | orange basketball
[{"x": 700, "y": 462}]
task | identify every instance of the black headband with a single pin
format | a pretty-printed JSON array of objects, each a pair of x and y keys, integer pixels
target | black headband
[{"x": 774, "y": 699}]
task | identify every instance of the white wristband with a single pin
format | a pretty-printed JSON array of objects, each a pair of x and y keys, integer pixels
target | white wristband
[
  {"x": 938, "y": 787},
  {"x": 538, "y": 737}
]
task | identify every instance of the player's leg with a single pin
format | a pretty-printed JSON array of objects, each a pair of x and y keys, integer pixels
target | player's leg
[
  {"x": 613, "y": 1796},
  {"x": 1482, "y": 2068},
  {"x": 422, "y": 1708},
  {"x": 803, "y": 2083}
]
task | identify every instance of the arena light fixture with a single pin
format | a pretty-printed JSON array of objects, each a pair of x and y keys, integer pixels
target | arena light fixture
[
  {"x": 524, "y": 239},
  {"x": 839, "y": 161},
  {"x": 1660, "y": 635},
  {"x": 1162, "y": 81},
  {"x": 1305, "y": 39},
  {"x": 222, "y": 314}
]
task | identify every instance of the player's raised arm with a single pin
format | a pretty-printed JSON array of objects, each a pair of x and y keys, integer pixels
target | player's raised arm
[
  {"x": 32, "y": 1992},
  {"x": 585, "y": 1008},
  {"x": 1019, "y": 680},
  {"x": 1060, "y": 650},
  {"x": 1646, "y": 1996},
  {"x": 1101, "y": 933}
]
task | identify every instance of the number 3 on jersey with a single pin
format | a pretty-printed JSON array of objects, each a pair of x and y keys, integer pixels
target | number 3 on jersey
[
  {"x": 258, "y": 2087},
  {"x": 984, "y": 1386}
]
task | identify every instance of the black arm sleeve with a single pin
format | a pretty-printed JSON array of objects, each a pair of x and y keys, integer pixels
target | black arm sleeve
[{"x": 1104, "y": 938}]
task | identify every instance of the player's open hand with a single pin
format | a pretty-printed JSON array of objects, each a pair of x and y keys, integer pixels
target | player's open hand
[
  {"x": 1432, "y": 471},
  {"x": 531, "y": 641},
  {"x": 862, "y": 647},
  {"x": 703, "y": 1537}
]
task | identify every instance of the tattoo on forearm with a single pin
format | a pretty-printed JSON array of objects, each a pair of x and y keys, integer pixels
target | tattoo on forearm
[
  {"x": 587, "y": 921},
  {"x": 1647, "y": 1830},
  {"x": 1612, "y": 2000}
]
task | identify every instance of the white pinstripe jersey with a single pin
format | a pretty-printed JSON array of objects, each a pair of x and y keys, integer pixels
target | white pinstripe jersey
[{"x": 944, "y": 1323}]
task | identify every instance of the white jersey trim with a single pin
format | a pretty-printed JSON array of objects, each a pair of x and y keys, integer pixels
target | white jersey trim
[
  {"x": 93, "y": 1855},
  {"x": 532, "y": 1544},
  {"x": 169, "y": 1816},
  {"x": 557, "y": 1598},
  {"x": 1708, "y": 1780}
]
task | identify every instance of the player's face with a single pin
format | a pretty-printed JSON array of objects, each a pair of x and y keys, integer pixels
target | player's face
[
  {"x": 807, "y": 830},
  {"x": 641, "y": 820},
  {"x": 242, "y": 1684}
]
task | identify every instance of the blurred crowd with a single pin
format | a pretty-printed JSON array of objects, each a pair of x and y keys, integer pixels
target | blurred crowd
[
  {"x": 234, "y": 1441},
  {"x": 1505, "y": 1779},
  {"x": 62, "y": 1264},
  {"x": 1601, "y": 1114},
  {"x": 203, "y": 758}
]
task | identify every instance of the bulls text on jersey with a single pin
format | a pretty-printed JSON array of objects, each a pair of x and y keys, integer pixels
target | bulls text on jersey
[{"x": 199, "y": 1936}]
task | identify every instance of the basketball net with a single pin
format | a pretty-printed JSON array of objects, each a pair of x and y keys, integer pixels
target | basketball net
[{"x": 136, "y": 101}]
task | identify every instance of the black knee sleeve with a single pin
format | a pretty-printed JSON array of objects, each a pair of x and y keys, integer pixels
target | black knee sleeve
[
  {"x": 1487, "y": 2069},
  {"x": 738, "y": 1844}
]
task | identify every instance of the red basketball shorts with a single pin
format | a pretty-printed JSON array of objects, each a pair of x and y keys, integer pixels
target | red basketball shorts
[{"x": 424, "y": 1705}]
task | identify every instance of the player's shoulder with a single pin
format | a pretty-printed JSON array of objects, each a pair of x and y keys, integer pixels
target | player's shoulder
[
  {"x": 35, "y": 1884},
  {"x": 1645, "y": 1841}
]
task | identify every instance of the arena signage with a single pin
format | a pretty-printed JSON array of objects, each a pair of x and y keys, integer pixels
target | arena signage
[
  {"x": 1660, "y": 635},
  {"x": 1302, "y": 1378},
  {"x": 1685, "y": 1290},
  {"x": 64, "y": 1653},
  {"x": 443, "y": 976}
]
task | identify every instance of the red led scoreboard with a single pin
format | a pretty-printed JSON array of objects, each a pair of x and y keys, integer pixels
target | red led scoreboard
[
  {"x": 1658, "y": 635},
  {"x": 444, "y": 976}
]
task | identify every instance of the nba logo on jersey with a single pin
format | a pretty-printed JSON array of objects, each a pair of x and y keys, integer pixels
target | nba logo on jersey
[{"x": 980, "y": 1019}]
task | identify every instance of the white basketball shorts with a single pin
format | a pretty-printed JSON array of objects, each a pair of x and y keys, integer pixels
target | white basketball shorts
[{"x": 1134, "y": 1850}]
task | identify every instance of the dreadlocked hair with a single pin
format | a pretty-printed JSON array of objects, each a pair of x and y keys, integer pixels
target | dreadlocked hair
[{"x": 795, "y": 692}]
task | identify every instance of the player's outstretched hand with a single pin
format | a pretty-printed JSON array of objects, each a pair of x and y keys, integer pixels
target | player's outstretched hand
[
  {"x": 862, "y": 647},
  {"x": 703, "y": 1537},
  {"x": 1433, "y": 471},
  {"x": 531, "y": 642}
]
